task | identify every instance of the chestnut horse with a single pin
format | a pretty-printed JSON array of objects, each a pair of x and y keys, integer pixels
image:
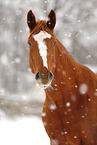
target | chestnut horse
[{"x": 70, "y": 108}]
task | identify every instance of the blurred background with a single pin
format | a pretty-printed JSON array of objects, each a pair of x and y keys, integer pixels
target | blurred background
[{"x": 76, "y": 28}]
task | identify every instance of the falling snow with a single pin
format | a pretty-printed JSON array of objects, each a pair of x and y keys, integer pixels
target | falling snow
[
  {"x": 63, "y": 72},
  {"x": 18, "y": 90},
  {"x": 68, "y": 104},
  {"x": 83, "y": 89},
  {"x": 43, "y": 114},
  {"x": 67, "y": 122},
  {"x": 4, "y": 59},
  {"x": 44, "y": 123},
  {"x": 75, "y": 137},
  {"x": 62, "y": 133},
  {"x": 65, "y": 132},
  {"x": 89, "y": 99},
  {"x": 95, "y": 94},
  {"x": 83, "y": 116},
  {"x": 69, "y": 78},
  {"x": 63, "y": 83},
  {"x": 52, "y": 107},
  {"x": 73, "y": 98},
  {"x": 83, "y": 131}
]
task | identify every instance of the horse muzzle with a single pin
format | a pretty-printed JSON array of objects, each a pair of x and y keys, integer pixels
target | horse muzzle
[{"x": 44, "y": 78}]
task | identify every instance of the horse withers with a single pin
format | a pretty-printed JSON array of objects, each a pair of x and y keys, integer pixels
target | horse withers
[{"x": 70, "y": 108}]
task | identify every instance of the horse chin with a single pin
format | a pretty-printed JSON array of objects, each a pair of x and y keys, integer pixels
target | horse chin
[{"x": 44, "y": 86}]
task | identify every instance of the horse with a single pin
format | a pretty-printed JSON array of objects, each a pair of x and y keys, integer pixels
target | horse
[{"x": 70, "y": 108}]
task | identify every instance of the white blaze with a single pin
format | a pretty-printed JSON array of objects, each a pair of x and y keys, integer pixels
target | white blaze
[{"x": 42, "y": 46}]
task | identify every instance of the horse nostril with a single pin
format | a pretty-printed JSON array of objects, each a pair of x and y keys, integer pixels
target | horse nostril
[
  {"x": 50, "y": 75},
  {"x": 37, "y": 76}
]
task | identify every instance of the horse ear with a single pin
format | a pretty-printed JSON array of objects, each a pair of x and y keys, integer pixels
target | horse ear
[
  {"x": 31, "y": 20},
  {"x": 52, "y": 19}
]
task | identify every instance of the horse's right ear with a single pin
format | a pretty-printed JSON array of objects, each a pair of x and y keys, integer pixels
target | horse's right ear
[{"x": 31, "y": 20}]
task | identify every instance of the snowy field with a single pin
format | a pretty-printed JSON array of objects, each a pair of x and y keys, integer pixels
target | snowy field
[
  {"x": 24, "y": 131},
  {"x": 17, "y": 129}
]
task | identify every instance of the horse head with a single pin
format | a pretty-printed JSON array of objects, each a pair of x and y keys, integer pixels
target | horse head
[{"x": 40, "y": 57}]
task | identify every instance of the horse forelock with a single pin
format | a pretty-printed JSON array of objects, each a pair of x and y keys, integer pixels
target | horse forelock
[{"x": 41, "y": 25}]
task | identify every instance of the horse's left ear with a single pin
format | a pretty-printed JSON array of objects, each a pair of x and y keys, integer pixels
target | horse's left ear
[{"x": 52, "y": 19}]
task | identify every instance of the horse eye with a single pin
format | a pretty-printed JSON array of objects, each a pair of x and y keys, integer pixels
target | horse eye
[
  {"x": 54, "y": 43},
  {"x": 30, "y": 44}
]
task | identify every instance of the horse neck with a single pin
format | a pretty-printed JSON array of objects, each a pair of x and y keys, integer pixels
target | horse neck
[
  {"x": 66, "y": 60},
  {"x": 63, "y": 61}
]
